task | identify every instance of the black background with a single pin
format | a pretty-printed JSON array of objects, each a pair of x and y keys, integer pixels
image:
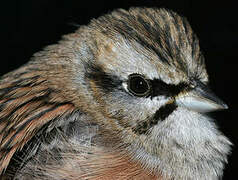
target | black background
[{"x": 27, "y": 26}]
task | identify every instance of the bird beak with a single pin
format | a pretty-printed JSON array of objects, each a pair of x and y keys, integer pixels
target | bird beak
[{"x": 200, "y": 99}]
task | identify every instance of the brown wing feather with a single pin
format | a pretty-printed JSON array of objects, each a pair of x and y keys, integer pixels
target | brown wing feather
[{"x": 25, "y": 107}]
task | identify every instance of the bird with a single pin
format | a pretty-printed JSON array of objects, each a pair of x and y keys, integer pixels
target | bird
[{"x": 125, "y": 97}]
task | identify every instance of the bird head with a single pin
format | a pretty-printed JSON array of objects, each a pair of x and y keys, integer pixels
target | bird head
[{"x": 150, "y": 81}]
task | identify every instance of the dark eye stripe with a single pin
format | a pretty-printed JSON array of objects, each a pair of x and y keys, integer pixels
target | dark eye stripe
[
  {"x": 159, "y": 87},
  {"x": 106, "y": 82},
  {"x": 109, "y": 82}
]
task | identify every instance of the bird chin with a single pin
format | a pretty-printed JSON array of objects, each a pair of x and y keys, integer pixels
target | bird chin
[{"x": 186, "y": 145}]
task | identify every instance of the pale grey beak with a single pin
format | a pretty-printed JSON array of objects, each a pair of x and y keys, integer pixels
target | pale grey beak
[{"x": 200, "y": 99}]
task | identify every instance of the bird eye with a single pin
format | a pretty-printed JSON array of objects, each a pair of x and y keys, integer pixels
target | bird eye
[{"x": 138, "y": 85}]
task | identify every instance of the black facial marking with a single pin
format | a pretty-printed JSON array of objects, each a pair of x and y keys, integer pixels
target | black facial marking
[
  {"x": 103, "y": 80},
  {"x": 164, "y": 112},
  {"x": 160, "y": 115},
  {"x": 159, "y": 87}
]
